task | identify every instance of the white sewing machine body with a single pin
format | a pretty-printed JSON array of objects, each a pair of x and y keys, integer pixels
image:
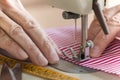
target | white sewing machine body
[{"x": 76, "y": 6}]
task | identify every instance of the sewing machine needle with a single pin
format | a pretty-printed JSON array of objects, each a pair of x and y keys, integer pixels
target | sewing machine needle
[
  {"x": 75, "y": 29},
  {"x": 84, "y": 26}
]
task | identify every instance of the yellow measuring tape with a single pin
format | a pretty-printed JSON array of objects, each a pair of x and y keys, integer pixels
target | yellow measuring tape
[{"x": 39, "y": 71}]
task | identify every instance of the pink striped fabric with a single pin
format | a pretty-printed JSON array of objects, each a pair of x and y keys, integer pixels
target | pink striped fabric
[{"x": 109, "y": 62}]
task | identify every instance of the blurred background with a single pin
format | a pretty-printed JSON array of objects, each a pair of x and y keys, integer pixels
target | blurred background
[
  {"x": 46, "y": 15},
  {"x": 52, "y": 17}
]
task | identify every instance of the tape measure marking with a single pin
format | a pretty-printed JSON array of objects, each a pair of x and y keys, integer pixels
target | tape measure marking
[{"x": 39, "y": 71}]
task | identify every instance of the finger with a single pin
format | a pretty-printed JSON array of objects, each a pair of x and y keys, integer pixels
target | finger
[
  {"x": 36, "y": 33},
  {"x": 101, "y": 41},
  {"x": 108, "y": 13},
  {"x": 115, "y": 20},
  {"x": 93, "y": 30},
  {"x": 49, "y": 51},
  {"x": 12, "y": 47},
  {"x": 17, "y": 33},
  {"x": 55, "y": 46},
  {"x": 11, "y": 4}
]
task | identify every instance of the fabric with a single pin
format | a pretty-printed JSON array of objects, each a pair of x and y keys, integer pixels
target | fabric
[{"x": 109, "y": 61}]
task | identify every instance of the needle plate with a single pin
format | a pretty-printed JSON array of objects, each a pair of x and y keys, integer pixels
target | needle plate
[{"x": 71, "y": 68}]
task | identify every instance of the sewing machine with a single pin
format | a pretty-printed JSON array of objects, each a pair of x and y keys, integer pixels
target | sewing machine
[
  {"x": 75, "y": 9},
  {"x": 93, "y": 76}
]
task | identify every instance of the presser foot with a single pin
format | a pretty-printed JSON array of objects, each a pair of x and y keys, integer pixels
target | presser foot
[
  {"x": 82, "y": 55},
  {"x": 71, "y": 67}
]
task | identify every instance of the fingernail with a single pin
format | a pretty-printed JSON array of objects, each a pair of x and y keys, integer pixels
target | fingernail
[
  {"x": 53, "y": 57},
  {"x": 54, "y": 60},
  {"x": 42, "y": 61},
  {"x": 22, "y": 55},
  {"x": 95, "y": 52},
  {"x": 59, "y": 52}
]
